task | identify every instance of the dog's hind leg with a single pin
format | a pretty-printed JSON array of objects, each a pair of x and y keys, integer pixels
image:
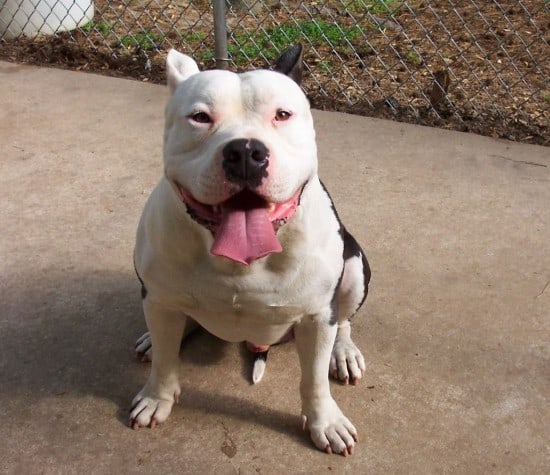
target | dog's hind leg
[
  {"x": 347, "y": 363},
  {"x": 144, "y": 347}
]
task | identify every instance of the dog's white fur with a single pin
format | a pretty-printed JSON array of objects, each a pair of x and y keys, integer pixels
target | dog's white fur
[{"x": 308, "y": 287}]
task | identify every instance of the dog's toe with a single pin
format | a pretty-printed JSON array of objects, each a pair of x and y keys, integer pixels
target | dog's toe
[
  {"x": 346, "y": 362},
  {"x": 149, "y": 412},
  {"x": 330, "y": 430},
  {"x": 336, "y": 438},
  {"x": 144, "y": 348}
]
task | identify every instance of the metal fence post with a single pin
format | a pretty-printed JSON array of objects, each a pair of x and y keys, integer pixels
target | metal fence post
[{"x": 220, "y": 35}]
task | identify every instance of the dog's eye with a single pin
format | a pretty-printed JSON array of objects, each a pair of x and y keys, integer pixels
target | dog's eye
[
  {"x": 281, "y": 115},
  {"x": 201, "y": 118}
]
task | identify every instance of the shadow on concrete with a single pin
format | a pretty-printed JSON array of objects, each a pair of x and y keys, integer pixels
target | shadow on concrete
[{"x": 75, "y": 333}]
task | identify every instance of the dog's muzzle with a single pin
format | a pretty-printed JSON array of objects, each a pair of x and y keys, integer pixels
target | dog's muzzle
[
  {"x": 245, "y": 162},
  {"x": 244, "y": 225}
]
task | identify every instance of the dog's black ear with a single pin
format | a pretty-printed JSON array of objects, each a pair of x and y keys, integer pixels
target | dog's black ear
[{"x": 291, "y": 63}]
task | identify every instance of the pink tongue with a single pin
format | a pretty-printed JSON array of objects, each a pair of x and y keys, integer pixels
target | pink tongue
[{"x": 245, "y": 232}]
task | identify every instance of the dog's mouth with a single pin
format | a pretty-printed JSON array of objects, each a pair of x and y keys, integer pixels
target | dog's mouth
[{"x": 245, "y": 225}]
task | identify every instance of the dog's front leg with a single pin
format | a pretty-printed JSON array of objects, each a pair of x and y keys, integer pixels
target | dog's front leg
[
  {"x": 154, "y": 402},
  {"x": 330, "y": 430}
]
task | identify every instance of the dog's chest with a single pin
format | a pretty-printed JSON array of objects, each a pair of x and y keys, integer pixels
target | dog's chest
[{"x": 259, "y": 306}]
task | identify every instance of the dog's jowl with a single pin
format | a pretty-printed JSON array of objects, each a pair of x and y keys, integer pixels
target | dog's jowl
[{"x": 241, "y": 238}]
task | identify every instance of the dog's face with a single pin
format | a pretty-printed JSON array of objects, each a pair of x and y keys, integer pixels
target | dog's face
[{"x": 237, "y": 142}]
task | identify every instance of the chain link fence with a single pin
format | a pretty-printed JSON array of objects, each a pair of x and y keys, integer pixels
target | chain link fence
[{"x": 471, "y": 65}]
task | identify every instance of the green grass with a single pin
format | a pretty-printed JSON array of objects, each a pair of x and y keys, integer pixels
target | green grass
[
  {"x": 319, "y": 33},
  {"x": 103, "y": 27},
  {"x": 145, "y": 40},
  {"x": 325, "y": 65},
  {"x": 207, "y": 56},
  {"x": 376, "y": 7},
  {"x": 414, "y": 58}
]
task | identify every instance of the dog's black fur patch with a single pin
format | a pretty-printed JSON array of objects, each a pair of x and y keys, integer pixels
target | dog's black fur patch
[
  {"x": 143, "y": 288},
  {"x": 261, "y": 355},
  {"x": 351, "y": 249}
]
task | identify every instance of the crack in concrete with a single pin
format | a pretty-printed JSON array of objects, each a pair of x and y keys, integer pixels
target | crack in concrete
[
  {"x": 543, "y": 289},
  {"x": 522, "y": 162},
  {"x": 229, "y": 448}
]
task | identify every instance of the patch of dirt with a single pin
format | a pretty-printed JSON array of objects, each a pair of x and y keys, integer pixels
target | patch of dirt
[{"x": 463, "y": 67}]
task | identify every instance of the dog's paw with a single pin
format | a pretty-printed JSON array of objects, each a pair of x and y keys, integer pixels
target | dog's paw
[
  {"x": 330, "y": 430},
  {"x": 144, "y": 348},
  {"x": 149, "y": 411},
  {"x": 346, "y": 362}
]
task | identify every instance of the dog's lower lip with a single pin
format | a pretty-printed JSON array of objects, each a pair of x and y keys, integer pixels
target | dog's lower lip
[
  {"x": 212, "y": 214},
  {"x": 204, "y": 212}
]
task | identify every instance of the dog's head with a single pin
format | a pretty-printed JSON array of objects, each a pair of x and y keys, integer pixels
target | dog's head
[{"x": 238, "y": 150}]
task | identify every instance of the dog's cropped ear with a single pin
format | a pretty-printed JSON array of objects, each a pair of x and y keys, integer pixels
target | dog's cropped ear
[
  {"x": 291, "y": 63},
  {"x": 178, "y": 68}
]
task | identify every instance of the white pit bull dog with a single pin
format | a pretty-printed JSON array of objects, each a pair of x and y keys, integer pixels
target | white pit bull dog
[{"x": 241, "y": 238}]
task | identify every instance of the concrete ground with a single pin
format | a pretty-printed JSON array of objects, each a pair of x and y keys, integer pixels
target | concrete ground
[{"x": 455, "y": 331}]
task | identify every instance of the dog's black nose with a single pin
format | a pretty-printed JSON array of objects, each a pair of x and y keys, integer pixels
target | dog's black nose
[{"x": 245, "y": 161}]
